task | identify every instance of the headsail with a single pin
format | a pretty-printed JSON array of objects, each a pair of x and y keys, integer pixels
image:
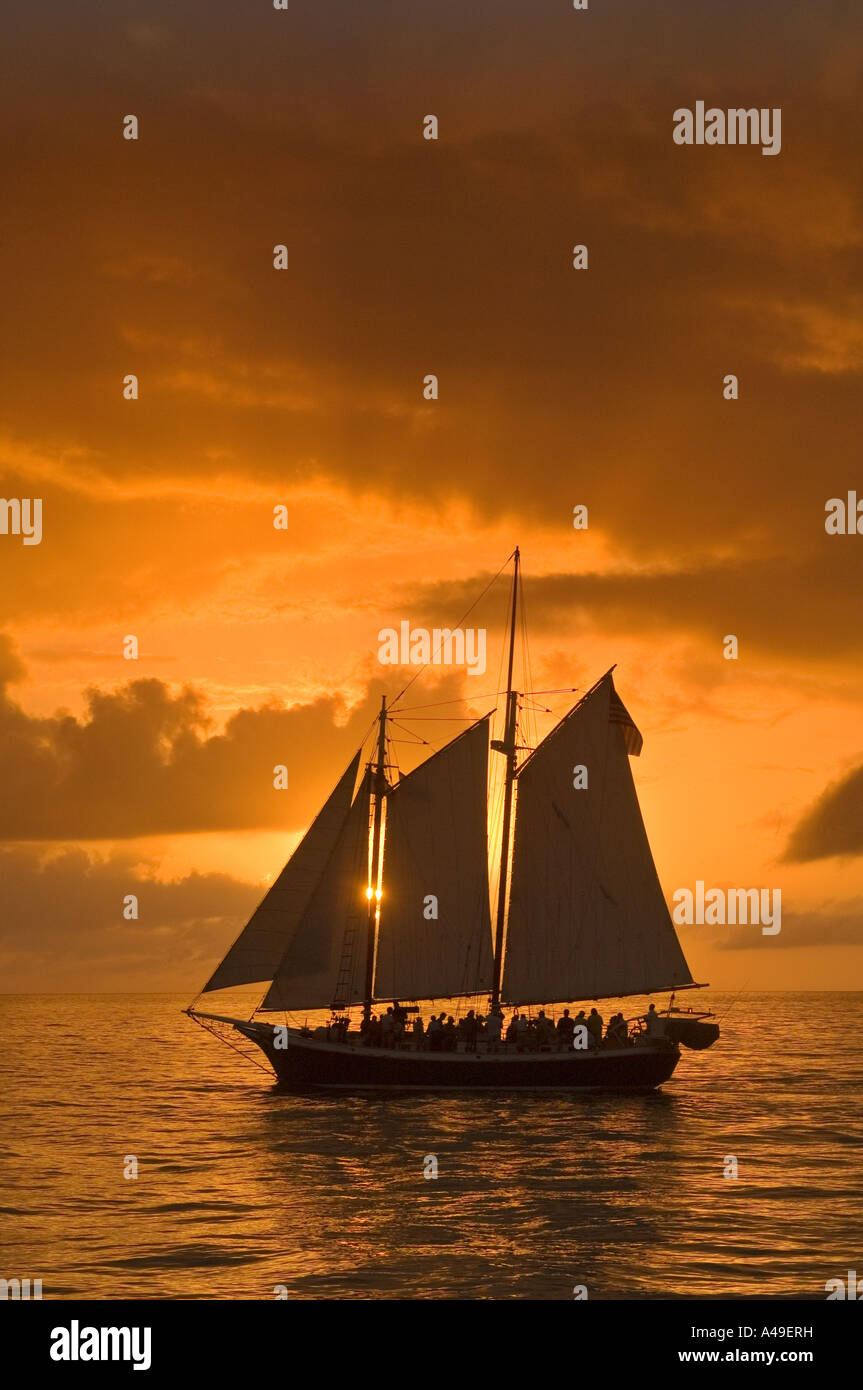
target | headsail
[
  {"x": 436, "y": 846},
  {"x": 587, "y": 917},
  {"x": 329, "y": 936},
  {"x": 255, "y": 955}
]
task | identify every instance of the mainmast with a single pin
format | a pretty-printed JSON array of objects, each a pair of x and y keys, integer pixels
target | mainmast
[
  {"x": 379, "y": 786},
  {"x": 506, "y": 745}
]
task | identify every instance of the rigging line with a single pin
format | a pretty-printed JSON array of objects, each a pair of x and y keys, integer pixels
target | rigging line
[
  {"x": 458, "y": 624},
  {"x": 391, "y": 762},
  {"x": 734, "y": 1001},
  {"x": 465, "y": 700},
  {"x": 247, "y": 1057},
  {"x": 413, "y": 738},
  {"x": 462, "y": 700},
  {"x": 442, "y": 718},
  {"x": 532, "y": 724}
]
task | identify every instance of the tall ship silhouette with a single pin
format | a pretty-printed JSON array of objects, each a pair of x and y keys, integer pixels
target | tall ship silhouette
[{"x": 384, "y": 912}]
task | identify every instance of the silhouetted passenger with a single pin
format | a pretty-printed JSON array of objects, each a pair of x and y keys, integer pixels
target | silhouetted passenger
[
  {"x": 580, "y": 1039},
  {"x": 544, "y": 1030},
  {"x": 493, "y": 1030},
  {"x": 565, "y": 1030},
  {"x": 617, "y": 1034},
  {"x": 655, "y": 1024},
  {"x": 594, "y": 1028}
]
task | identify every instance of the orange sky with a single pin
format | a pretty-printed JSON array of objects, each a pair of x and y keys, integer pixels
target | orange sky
[{"x": 304, "y": 387}]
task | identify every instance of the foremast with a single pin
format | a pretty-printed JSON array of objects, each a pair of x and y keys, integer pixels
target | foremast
[
  {"x": 507, "y": 746},
  {"x": 379, "y": 789}
]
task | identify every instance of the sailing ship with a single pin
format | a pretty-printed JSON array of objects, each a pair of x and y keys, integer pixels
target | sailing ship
[{"x": 386, "y": 903}]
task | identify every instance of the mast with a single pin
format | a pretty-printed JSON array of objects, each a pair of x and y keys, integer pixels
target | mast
[
  {"x": 506, "y": 745},
  {"x": 378, "y": 787}
]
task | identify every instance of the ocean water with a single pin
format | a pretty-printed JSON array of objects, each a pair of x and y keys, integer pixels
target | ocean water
[{"x": 242, "y": 1188}]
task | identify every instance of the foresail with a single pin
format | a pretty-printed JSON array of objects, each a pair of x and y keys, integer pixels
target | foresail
[
  {"x": 331, "y": 936},
  {"x": 435, "y": 929},
  {"x": 258, "y": 950},
  {"x": 587, "y": 918}
]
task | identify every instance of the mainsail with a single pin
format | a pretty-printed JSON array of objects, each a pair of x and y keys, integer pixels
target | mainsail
[
  {"x": 587, "y": 918},
  {"x": 329, "y": 936},
  {"x": 258, "y": 950},
  {"x": 435, "y": 930}
]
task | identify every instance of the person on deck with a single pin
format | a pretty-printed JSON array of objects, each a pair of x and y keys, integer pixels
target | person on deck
[
  {"x": 565, "y": 1030},
  {"x": 594, "y": 1028},
  {"x": 450, "y": 1036},
  {"x": 580, "y": 1034},
  {"x": 388, "y": 1029},
  {"x": 512, "y": 1030},
  {"x": 470, "y": 1032},
  {"x": 616, "y": 1033},
  {"x": 435, "y": 1033},
  {"x": 493, "y": 1030},
  {"x": 655, "y": 1024},
  {"x": 417, "y": 1030}
]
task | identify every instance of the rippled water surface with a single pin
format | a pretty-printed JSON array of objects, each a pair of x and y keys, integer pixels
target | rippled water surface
[{"x": 241, "y": 1188}]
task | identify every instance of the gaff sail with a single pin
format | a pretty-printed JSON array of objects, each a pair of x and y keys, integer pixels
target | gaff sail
[
  {"x": 434, "y": 939},
  {"x": 587, "y": 917}
]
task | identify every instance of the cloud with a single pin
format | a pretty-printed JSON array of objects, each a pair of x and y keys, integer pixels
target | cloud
[
  {"x": 144, "y": 760},
  {"x": 777, "y": 606},
  {"x": 837, "y": 925},
  {"x": 833, "y": 825},
  {"x": 63, "y": 924},
  {"x": 453, "y": 257}
]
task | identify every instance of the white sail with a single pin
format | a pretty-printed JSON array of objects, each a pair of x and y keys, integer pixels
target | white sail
[
  {"x": 255, "y": 955},
  {"x": 435, "y": 929},
  {"x": 587, "y": 917},
  {"x": 331, "y": 937}
]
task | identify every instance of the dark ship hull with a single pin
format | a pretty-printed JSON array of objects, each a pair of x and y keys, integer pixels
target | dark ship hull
[{"x": 309, "y": 1063}]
